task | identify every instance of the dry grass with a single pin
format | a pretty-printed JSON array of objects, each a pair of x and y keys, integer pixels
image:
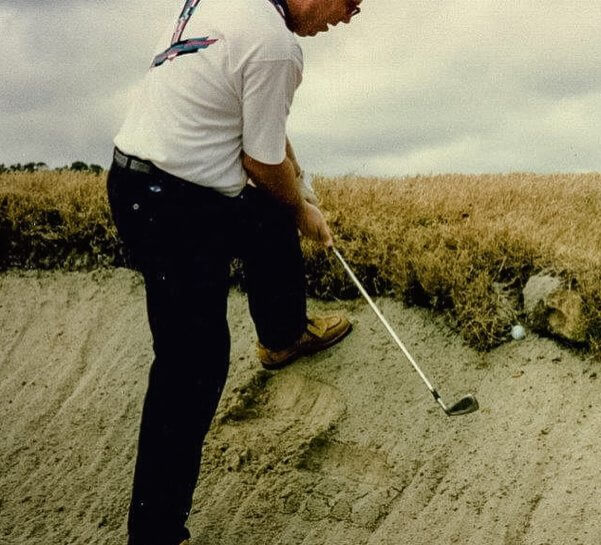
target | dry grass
[
  {"x": 462, "y": 244},
  {"x": 467, "y": 244},
  {"x": 56, "y": 220}
]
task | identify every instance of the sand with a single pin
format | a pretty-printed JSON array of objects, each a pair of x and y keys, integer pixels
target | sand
[{"x": 346, "y": 447}]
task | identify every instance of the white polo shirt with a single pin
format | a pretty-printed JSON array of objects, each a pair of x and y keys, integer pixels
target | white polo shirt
[{"x": 222, "y": 86}]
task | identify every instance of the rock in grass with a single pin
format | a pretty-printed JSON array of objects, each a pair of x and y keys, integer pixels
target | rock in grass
[
  {"x": 553, "y": 309},
  {"x": 537, "y": 289},
  {"x": 566, "y": 318}
]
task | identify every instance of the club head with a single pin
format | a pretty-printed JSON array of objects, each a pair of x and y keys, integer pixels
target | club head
[{"x": 465, "y": 405}]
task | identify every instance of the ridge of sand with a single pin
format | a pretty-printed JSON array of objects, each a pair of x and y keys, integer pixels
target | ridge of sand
[{"x": 345, "y": 447}]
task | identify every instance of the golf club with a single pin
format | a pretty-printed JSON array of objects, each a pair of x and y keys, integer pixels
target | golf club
[{"x": 467, "y": 404}]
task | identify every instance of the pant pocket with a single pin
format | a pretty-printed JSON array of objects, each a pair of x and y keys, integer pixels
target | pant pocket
[{"x": 138, "y": 207}]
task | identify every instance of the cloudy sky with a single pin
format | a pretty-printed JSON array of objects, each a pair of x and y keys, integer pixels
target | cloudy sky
[{"x": 409, "y": 87}]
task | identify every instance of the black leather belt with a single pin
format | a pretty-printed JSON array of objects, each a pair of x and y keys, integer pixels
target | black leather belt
[
  {"x": 169, "y": 182},
  {"x": 132, "y": 163}
]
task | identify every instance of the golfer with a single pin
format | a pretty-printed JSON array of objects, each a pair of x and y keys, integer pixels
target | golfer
[{"x": 203, "y": 171}]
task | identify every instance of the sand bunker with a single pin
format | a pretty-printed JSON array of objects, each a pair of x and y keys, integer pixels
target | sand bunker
[{"x": 343, "y": 448}]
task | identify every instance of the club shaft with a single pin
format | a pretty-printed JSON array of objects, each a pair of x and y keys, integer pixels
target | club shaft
[{"x": 389, "y": 328}]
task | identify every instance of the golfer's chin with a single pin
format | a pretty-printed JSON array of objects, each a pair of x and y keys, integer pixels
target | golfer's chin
[{"x": 310, "y": 31}]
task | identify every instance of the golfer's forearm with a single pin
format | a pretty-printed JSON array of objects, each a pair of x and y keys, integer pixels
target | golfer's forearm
[
  {"x": 278, "y": 180},
  {"x": 291, "y": 155}
]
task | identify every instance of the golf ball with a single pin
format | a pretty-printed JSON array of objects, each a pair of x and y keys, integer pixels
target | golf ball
[{"x": 518, "y": 332}]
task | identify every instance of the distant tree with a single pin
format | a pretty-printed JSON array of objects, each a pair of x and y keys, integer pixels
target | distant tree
[
  {"x": 32, "y": 167},
  {"x": 27, "y": 167},
  {"x": 36, "y": 166},
  {"x": 79, "y": 166}
]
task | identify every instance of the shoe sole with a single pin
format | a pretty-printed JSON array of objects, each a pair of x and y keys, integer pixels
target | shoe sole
[{"x": 307, "y": 352}]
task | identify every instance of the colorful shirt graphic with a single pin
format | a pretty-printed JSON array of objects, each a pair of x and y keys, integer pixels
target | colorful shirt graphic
[{"x": 183, "y": 47}]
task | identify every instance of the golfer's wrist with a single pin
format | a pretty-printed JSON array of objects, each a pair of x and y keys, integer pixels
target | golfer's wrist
[{"x": 299, "y": 211}]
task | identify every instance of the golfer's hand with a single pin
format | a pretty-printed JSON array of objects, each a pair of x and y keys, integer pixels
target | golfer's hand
[{"x": 313, "y": 225}]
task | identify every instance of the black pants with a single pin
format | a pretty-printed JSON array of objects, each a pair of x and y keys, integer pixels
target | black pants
[{"x": 182, "y": 238}]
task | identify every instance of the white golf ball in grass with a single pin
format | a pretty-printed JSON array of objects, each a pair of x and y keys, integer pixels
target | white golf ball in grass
[{"x": 518, "y": 332}]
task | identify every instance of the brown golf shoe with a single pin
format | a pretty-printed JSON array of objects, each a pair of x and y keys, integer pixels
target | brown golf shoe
[{"x": 321, "y": 332}]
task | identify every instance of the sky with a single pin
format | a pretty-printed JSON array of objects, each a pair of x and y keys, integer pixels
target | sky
[{"x": 409, "y": 87}]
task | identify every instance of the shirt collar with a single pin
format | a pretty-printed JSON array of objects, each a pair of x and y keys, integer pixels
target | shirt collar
[{"x": 282, "y": 7}]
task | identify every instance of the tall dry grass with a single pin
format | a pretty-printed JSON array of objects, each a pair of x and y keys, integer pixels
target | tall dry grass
[
  {"x": 465, "y": 245},
  {"x": 56, "y": 220}
]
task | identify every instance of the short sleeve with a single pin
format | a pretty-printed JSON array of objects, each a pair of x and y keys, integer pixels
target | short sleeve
[{"x": 267, "y": 93}]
